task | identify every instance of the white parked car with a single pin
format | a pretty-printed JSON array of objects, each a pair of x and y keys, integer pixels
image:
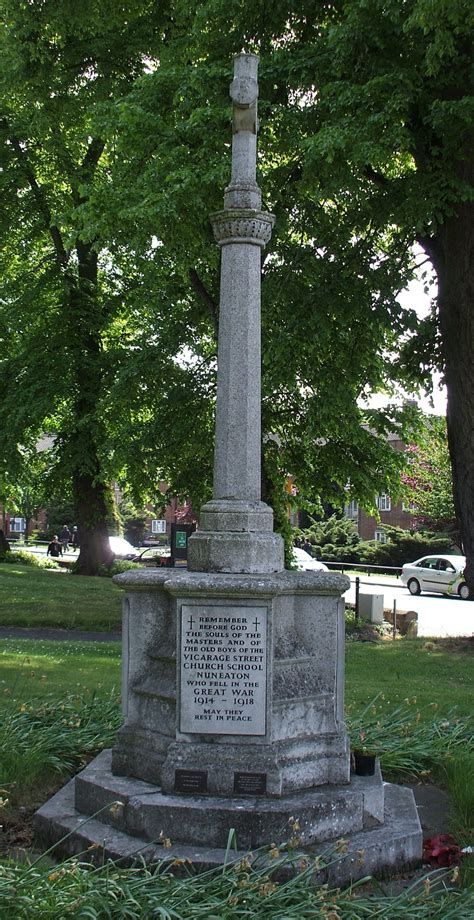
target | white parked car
[
  {"x": 306, "y": 563},
  {"x": 439, "y": 574},
  {"x": 122, "y": 548}
]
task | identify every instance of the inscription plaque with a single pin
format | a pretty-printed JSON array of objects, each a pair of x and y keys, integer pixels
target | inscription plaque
[
  {"x": 250, "y": 783},
  {"x": 190, "y": 781},
  {"x": 223, "y": 670}
]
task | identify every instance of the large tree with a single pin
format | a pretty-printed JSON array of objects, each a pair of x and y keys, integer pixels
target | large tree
[
  {"x": 366, "y": 149},
  {"x": 61, "y": 62},
  {"x": 397, "y": 109},
  {"x": 331, "y": 320},
  {"x": 350, "y": 92}
]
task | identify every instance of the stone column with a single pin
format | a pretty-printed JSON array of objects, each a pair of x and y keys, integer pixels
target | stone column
[{"x": 236, "y": 534}]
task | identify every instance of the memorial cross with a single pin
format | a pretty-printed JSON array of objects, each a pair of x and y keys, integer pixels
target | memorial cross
[
  {"x": 241, "y": 231},
  {"x": 236, "y": 527}
]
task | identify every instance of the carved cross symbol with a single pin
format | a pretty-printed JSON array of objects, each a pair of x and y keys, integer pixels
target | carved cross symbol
[
  {"x": 191, "y": 621},
  {"x": 257, "y": 623}
]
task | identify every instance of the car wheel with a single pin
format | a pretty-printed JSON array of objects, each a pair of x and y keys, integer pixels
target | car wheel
[
  {"x": 414, "y": 586},
  {"x": 464, "y": 592}
]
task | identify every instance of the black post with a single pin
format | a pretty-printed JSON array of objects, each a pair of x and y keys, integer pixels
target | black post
[{"x": 357, "y": 597}]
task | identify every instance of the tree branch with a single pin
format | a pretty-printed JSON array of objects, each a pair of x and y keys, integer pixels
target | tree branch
[
  {"x": 200, "y": 289},
  {"x": 93, "y": 155},
  {"x": 62, "y": 254},
  {"x": 433, "y": 250},
  {"x": 86, "y": 169},
  {"x": 430, "y": 244},
  {"x": 376, "y": 177}
]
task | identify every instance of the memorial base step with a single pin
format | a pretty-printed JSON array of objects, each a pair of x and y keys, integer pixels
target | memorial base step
[{"x": 378, "y": 849}]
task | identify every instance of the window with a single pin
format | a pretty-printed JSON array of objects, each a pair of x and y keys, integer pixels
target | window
[
  {"x": 351, "y": 510},
  {"x": 383, "y": 502},
  {"x": 380, "y": 536},
  {"x": 408, "y": 506},
  {"x": 158, "y": 526},
  {"x": 445, "y": 566},
  {"x": 17, "y": 525}
]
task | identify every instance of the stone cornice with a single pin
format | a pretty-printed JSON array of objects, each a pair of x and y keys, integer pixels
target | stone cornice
[{"x": 241, "y": 225}]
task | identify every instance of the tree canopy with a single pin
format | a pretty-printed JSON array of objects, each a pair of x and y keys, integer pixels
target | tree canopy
[
  {"x": 116, "y": 133},
  {"x": 428, "y": 480}
]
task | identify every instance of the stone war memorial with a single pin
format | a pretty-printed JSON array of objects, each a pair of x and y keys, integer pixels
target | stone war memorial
[{"x": 233, "y": 671}]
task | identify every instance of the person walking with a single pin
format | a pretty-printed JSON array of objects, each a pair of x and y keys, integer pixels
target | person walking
[
  {"x": 55, "y": 548},
  {"x": 75, "y": 538},
  {"x": 65, "y": 538}
]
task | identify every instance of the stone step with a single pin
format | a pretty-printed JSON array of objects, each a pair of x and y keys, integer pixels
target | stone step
[
  {"x": 383, "y": 850},
  {"x": 144, "y": 811}
]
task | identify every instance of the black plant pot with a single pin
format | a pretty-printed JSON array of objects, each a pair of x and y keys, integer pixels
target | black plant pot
[{"x": 364, "y": 763}]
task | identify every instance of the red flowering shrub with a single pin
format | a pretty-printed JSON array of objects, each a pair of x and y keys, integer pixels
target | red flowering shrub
[{"x": 442, "y": 851}]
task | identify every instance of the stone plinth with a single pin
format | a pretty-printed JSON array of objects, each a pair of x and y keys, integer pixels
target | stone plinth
[
  {"x": 228, "y": 675},
  {"x": 140, "y": 817}
]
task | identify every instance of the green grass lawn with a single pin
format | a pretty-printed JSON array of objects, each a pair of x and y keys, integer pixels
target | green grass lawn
[
  {"x": 407, "y": 668},
  {"x": 58, "y": 708},
  {"x": 34, "y": 597},
  {"x": 430, "y": 671},
  {"x": 47, "y": 670}
]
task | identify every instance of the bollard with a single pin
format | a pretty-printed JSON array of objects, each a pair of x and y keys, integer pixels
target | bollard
[{"x": 357, "y": 597}]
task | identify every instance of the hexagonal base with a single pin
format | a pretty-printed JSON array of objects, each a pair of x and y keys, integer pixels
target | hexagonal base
[{"x": 131, "y": 831}]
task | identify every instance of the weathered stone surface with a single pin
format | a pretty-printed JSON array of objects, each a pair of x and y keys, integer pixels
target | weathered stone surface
[
  {"x": 145, "y": 811},
  {"x": 236, "y": 516},
  {"x": 297, "y": 737},
  {"x": 239, "y": 553},
  {"x": 372, "y": 788},
  {"x": 231, "y": 585},
  {"x": 389, "y": 848}
]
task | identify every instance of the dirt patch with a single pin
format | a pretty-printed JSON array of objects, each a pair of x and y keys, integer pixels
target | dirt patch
[
  {"x": 458, "y": 646},
  {"x": 367, "y": 632}
]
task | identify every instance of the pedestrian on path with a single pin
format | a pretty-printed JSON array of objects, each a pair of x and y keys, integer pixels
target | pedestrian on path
[
  {"x": 54, "y": 549},
  {"x": 65, "y": 538}
]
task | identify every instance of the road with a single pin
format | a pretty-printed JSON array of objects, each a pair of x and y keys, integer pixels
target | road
[{"x": 437, "y": 615}]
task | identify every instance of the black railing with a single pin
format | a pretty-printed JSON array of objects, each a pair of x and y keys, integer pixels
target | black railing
[{"x": 362, "y": 567}]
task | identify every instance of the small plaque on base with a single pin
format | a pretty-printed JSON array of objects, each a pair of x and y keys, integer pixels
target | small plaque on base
[
  {"x": 190, "y": 781},
  {"x": 250, "y": 783}
]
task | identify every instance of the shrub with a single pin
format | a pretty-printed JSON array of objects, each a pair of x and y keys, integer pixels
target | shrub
[
  {"x": 20, "y": 557},
  {"x": 330, "y": 538},
  {"x": 117, "y": 567},
  {"x": 402, "y": 546}
]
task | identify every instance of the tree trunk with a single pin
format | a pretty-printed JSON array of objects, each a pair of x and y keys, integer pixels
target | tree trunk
[
  {"x": 92, "y": 505},
  {"x": 454, "y": 264},
  {"x": 91, "y": 490}
]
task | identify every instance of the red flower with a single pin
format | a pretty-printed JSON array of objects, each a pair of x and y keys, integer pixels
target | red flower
[{"x": 442, "y": 851}]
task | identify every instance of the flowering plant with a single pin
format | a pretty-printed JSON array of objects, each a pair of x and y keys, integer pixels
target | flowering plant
[{"x": 442, "y": 851}]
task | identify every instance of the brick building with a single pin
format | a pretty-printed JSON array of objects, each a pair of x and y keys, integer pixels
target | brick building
[{"x": 393, "y": 514}]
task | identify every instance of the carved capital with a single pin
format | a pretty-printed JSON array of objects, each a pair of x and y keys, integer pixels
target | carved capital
[{"x": 242, "y": 226}]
